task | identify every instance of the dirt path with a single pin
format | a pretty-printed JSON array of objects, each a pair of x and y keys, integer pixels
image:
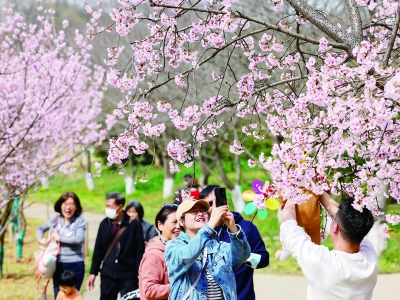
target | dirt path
[{"x": 268, "y": 287}]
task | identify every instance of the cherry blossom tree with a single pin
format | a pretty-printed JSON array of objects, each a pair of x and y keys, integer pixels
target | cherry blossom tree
[
  {"x": 328, "y": 87},
  {"x": 50, "y": 97}
]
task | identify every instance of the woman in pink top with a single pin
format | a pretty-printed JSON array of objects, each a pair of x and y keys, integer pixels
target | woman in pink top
[{"x": 153, "y": 274}]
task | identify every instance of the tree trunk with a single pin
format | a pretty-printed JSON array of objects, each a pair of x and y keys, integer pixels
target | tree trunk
[
  {"x": 89, "y": 177},
  {"x": 217, "y": 159},
  {"x": 1, "y": 254},
  {"x": 19, "y": 242},
  {"x": 376, "y": 238},
  {"x": 237, "y": 199},
  {"x": 5, "y": 214},
  {"x": 129, "y": 186},
  {"x": 168, "y": 188},
  {"x": 236, "y": 193},
  {"x": 157, "y": 159},
  {"x": 235, "y": 190},
  {"x": 205, "y": 172}
]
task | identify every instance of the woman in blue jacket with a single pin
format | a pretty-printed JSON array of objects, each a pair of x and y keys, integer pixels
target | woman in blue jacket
[
  {"x": 200, "y": 267},
  {"x": 259, "y": 257}
]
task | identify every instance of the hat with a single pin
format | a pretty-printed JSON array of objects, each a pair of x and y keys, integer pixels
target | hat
[{"x": 187, "y": 205}]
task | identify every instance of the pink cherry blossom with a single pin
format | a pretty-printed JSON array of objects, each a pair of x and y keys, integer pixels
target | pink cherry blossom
[{"x": 384, "y": 230}]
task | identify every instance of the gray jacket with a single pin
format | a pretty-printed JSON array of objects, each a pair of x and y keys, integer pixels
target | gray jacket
[{"x": 71, "y": 237}]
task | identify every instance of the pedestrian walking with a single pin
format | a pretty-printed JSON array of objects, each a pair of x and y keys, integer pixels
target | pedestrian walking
[
  {"x": 117, "y": 252},
  {"x": 135, "y": 211}
]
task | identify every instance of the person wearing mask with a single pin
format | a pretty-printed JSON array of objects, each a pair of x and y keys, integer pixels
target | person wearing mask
[
  {"x": 135, "y": 210},
  {"x": 117, "y": 252},
  {"x": 350, "y": 270},
  {"x": 153, "y": 274},
  {"x": 69, "y": 231},
  {"x": 200, "y": 267},
  {"x": 259, "y": 257}
]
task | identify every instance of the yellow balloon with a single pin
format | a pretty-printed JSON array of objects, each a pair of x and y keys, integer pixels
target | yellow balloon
[
  {"x": 272, "y": 203},
  {"x": 248, "y": 195}
]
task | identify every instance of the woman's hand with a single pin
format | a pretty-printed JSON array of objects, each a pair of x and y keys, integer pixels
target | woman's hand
[
  {"x": 216, "y": 215},
  {"x": 55, "y": 236},
  {"x": 229, "y": 220},
  {"x": 44, "y": 242}
]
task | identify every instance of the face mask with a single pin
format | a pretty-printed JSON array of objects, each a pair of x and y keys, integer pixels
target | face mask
[{"x": 111, "y": 213}]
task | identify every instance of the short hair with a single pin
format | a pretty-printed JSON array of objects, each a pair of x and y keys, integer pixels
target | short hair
[
  {"x": 187, "y": 176},
  {"x": 68, "y": 278},
  {"x": 163, "y": 214},
  {"x": 138, "y": 207},
  {"x": 118, "y": 198},
  {"x": 207, "y": 190},
  {"x": 192, "y": 182},
  {"x": 64, "y": 197},
  {"x": 353, "y": 224}
]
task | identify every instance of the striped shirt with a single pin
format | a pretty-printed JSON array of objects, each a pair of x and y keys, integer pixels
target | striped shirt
[{"x": 214, "y": 291}]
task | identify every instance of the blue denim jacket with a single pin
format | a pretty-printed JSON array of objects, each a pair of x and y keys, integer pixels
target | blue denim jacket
[{"x": 184, "y": 259}]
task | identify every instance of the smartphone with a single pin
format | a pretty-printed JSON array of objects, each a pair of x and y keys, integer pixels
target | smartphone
[{"x": 220, "y": 196}]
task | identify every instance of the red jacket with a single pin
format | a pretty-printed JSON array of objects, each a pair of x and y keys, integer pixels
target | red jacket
[{"x": 153, "y": 274}]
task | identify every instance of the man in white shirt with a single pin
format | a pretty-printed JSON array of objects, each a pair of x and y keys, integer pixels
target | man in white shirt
[{"x": 350, "y": 270}]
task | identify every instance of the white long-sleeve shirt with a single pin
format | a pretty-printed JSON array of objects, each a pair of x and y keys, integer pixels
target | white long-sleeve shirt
[{"x": 331, "y": 274}]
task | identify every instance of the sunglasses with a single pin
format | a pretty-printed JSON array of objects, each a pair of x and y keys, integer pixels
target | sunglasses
[
  {"x": 167, "y": 205},
  {"x": 170, "y": 205}
]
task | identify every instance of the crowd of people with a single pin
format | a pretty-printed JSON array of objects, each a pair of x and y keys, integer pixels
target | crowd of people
[{"x": 199, "y": 249}]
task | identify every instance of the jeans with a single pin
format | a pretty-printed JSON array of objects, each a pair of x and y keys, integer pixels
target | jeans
[
  {"x": 109, "y": 287},
  {"x": 77, "y": 267}
]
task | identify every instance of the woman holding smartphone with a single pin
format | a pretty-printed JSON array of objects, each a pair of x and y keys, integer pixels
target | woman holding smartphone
[{"x": 197, "y": 264}]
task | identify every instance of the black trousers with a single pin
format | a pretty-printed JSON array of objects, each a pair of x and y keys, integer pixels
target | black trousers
[{"x": 110, "y": 287}]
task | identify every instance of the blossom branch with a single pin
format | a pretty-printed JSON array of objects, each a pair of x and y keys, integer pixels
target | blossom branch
[{"x": 267, "y": 25}]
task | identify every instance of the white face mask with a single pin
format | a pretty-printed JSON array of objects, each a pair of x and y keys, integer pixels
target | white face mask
[{"x": 111, "y": 213}]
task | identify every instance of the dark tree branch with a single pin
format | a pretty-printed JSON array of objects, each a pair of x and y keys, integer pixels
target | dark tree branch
[
  {"x": 392, "y": 38},
  {"x": 324, "y": 24}
]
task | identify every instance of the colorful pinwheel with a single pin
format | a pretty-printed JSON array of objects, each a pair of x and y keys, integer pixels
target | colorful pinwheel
[{"x": 261, "y": 199}]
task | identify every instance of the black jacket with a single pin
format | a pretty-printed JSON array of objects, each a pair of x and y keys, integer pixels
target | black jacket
[{"x": 131, "y": 246}]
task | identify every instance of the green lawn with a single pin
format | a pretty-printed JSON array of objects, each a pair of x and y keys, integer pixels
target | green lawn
[
  {"x": 19, "y": 280},
  {"x": 150, "y": 195}
]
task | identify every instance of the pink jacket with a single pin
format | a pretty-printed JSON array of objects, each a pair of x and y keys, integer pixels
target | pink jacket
[{"x": 153, "y": 274}]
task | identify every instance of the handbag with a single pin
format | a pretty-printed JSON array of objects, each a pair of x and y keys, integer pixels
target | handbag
[{"x": 46, "y": 259}]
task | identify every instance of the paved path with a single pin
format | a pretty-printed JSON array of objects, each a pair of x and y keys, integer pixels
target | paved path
[{"x": 268, "y": 287}]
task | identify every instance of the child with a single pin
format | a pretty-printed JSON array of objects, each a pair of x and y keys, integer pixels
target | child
[{"x": 68, "y": 289}]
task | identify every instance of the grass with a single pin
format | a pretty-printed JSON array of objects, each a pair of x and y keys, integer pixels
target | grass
[
  {"x": 150, "y": 195},
  {"x": 19, "y": 281}
]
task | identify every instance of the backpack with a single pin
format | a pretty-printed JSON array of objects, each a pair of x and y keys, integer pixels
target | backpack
[{"x": 46, "y": 259}]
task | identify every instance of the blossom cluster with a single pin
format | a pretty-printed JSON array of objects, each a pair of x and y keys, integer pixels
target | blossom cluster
[
  {"x": 50, "y": 100},
  {"x": 336, "y": 108}
]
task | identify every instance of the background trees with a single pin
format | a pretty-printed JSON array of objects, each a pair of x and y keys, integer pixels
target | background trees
[
  {"x": 50, "y": 97},
  {"x": 327, "y": 83}
]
